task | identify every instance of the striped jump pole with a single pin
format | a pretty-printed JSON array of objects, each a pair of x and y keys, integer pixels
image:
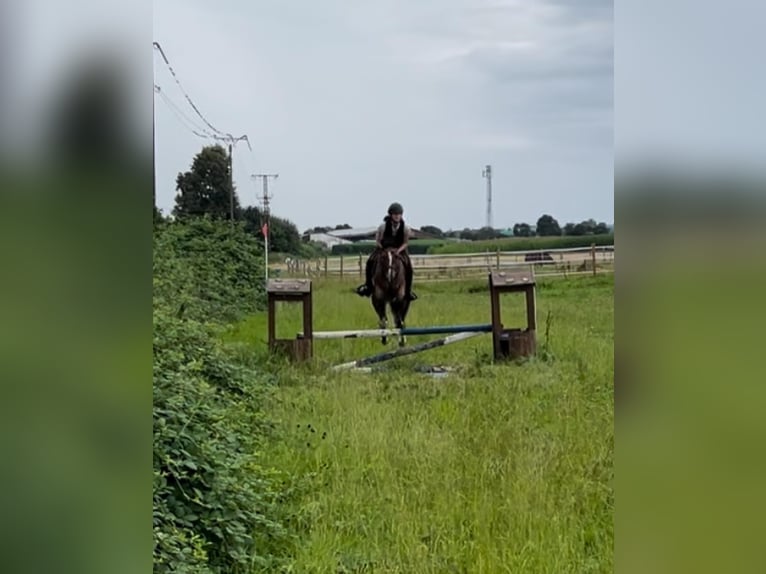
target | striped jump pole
[
  {"x": 375, "y": 333},
  {"x": 387, "y": 356}
]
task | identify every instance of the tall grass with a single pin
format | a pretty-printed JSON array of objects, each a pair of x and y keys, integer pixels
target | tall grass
[{"x": 494, "y": 468}]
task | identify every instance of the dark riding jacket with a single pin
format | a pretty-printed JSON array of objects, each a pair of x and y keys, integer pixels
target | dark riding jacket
[{"x": 391, "y": 239}]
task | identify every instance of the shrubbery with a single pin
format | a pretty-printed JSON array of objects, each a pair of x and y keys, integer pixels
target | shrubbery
[{"x": 215, "y": 503}]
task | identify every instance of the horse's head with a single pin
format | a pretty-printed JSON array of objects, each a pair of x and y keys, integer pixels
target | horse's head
[{"x": 389, "y": 270}]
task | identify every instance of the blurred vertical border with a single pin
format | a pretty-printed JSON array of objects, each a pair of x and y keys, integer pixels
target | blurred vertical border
[
  {"x": 690, "y": 201},
  {"x": 76, "y": 166}
]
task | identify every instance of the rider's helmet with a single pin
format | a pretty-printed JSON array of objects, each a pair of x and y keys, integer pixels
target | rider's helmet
[{"x": 395, "y": 208}]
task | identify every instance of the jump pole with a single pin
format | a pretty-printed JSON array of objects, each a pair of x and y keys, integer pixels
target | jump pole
[
  {"x": 375, "y": 333},
  {"x": 387, "y": 356}
]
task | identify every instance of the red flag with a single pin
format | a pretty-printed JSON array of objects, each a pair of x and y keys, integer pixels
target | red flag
[{"x": 265, "y": 229}]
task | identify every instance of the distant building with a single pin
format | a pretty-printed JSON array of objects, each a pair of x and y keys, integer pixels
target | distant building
[
  {"x": 341, "y": 236},
  {"x": 325, "y": 238}
]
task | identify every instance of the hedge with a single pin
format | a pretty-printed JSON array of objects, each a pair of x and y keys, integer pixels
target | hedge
[
  {"x": 524, "y": 244},
  {"x": 216, "y": 508}
]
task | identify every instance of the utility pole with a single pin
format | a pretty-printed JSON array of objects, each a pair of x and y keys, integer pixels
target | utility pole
[
  {"x": 232, "y": 141},
  {"x": 231, "y": 188},
  {"x": 487, "y": 173},
  {"x": 154, "y": 155},
  {"x": 265, "y": 198}
]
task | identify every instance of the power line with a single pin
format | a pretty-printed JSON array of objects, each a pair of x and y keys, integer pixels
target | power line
[
  {"x": 188, "y": 99},
  {"x": 187, "y": 122},
  {"x": 216, "y": 134}
]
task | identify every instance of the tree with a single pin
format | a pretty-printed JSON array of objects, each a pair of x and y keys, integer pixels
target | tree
[
  {"x": 587, "y": 227},
  {"x": 547, "y": 226},
  {"x": 206, "y": 188},
  {"x": 468, "y": 234},
  {"x": 522, "y": 230},
  {"x": 432, "y": 230},
  {"x": 158, "y": 218},
  {"x": 317, "y": 229},
  {"x": 283, "y": 234},
  {"x": 601, "y": 229},
  {"x": 487, "y": 233},
  {"x": 342, "y": 226}
]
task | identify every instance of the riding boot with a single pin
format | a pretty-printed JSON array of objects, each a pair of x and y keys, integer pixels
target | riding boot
[
  {"x": 365, "y": 290},
  {"x": 368, "y": 273},
  {"x": 408, "y": 275}
]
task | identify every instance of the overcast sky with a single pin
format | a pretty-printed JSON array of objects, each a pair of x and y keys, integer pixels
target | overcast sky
[{"x": 358, "y": 104}]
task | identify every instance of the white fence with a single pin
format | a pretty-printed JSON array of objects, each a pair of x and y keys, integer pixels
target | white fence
[{"x": 546, "y": 262}]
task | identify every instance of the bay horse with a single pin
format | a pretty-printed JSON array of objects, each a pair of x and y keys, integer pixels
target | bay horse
[{"x": 389, "y": 288}]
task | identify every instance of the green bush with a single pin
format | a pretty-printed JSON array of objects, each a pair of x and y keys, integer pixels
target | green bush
[
  {"x": 215, "y": 505},
  {"x": 524, "y": 244},
  {"x": 223, "y": 267}
]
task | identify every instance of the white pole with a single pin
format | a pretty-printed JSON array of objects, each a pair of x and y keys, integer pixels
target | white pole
[{"x": 402, "y": 351}]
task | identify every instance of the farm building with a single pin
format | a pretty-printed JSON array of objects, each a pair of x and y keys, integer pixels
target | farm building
[
  {"x": 327, "y": 239},
  {"x": 341, "y": 236}
]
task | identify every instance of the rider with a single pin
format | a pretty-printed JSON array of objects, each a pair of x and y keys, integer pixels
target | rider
[{"x": 393, "y": 232}]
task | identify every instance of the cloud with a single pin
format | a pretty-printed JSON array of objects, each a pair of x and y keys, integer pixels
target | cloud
[{"x": 355, "y": 103}]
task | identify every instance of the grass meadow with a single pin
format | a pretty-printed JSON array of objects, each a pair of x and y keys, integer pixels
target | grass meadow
[{"x": 493, "y": 468}]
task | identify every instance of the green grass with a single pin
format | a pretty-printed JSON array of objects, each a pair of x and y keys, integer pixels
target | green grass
[
  {"x": 524, "y": 244},
  {"x": 495, "y": 468}
]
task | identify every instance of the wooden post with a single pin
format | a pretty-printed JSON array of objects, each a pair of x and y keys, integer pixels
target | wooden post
[
  {"x": 325, "y": 266},
  {"x": 497, "y": 257},
  {"x": 531, "y": 308},
  {"x": 272, "y": 322},
  {"x": 341, "y": 265},
  {"x": 361, "y": 271},
  {"x": 300, "y": 348},
  {"x": 593, "y": 257},
  {"x": 497, "y": 326},
  {"x": 308, "y": 325}
]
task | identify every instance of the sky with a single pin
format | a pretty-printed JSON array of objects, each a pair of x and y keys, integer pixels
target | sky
[{"x": 359, "y": 104}]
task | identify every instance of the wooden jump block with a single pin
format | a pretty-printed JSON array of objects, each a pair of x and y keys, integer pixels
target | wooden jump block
[{"x": 514, "y": 342}]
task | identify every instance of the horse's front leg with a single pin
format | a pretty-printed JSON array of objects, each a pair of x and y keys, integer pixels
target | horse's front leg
[
  {"x": 380, "y": 309},
  {"x": 383, "y": 324},
  {"x": 399, "y": 317}
]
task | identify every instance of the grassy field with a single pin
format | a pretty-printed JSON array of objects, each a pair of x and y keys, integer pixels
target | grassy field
[{"x": 493, "y": 468}]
